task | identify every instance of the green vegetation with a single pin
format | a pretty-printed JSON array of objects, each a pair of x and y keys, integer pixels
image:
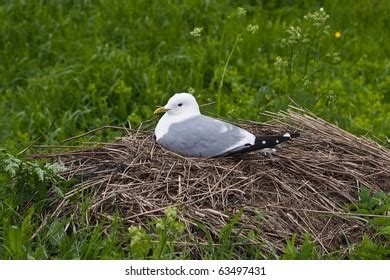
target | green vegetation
[{"x": 67, "y": 67}]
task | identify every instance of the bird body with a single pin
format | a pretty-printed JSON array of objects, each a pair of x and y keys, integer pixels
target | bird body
[
  {"x": 184, "y": 130},
  {"x": 205, "y": 137}
]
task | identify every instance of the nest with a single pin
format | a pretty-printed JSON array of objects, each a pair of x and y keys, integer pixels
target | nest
[{"x": 301, "y": 189}]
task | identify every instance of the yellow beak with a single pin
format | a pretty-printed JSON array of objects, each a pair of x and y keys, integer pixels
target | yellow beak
[{"x": 160, "y": 110}]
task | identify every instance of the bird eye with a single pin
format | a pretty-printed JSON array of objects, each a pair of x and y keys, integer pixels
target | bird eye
[{"x": 180, "y": 104}]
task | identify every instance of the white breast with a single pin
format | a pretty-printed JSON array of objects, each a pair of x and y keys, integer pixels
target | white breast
[{"x": 162, "y": 127}]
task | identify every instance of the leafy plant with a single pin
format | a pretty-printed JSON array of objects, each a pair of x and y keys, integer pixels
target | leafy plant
[
  {"x": 233, "y": 26},
  {"x": 307, "y": 251},
  {"x": 370, "y": 250},
  {"x": 377, "y": 207},
  {"x": 17, "y": 241},
  {"x": 31, "y": 180},
  {"x": 168, "y": 229}
]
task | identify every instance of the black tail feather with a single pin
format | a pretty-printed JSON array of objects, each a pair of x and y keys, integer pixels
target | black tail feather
[{"x": 265, "y": 142}]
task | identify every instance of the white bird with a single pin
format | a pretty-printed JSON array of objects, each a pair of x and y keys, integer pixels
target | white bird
[{"x": 184, "y": 130}]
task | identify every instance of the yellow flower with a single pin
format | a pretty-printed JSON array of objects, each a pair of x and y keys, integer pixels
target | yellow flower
[
  {"x": 338, "y": 34},
  {"x": 197, "y": 32}
]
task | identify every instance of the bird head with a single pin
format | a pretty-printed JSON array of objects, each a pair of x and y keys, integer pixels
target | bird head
[{"x": 180, "y": 104}]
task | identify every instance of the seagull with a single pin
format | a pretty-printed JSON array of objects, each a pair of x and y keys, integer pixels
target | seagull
[{"x": 185, "y": 131}]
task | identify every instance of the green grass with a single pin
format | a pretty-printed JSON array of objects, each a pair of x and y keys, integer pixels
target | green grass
[{"x": 67, "y": 67}]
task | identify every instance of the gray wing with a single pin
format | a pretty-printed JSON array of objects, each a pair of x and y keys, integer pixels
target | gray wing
[{"x": 202, "y": 136}]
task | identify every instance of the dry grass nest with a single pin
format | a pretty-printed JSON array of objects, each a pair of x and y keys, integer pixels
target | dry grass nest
[{"x": 302, "y": 188}]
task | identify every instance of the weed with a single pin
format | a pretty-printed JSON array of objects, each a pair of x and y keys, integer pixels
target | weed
[
  {"x": 307, "y": 250},
  {"x": 168, "y": 230},
  {"x": 377, "y": 206}
]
